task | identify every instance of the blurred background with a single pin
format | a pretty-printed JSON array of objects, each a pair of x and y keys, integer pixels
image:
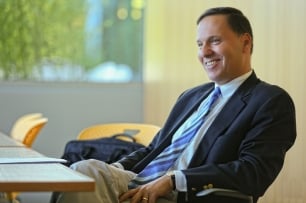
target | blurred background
[{"x": 82, "y": 63}]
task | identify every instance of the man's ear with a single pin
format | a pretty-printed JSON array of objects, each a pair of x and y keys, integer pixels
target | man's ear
[{"x": 247, "y": 42}]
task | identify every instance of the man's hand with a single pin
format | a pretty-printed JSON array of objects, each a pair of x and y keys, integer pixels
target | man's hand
[{"x": 149, "y": 192}]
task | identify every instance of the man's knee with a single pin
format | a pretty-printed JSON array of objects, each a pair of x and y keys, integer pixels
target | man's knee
[{"x": 87, "y": 166}]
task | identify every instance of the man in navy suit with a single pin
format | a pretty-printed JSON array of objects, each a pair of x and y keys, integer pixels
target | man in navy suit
[{"x": 240, "y": 146}]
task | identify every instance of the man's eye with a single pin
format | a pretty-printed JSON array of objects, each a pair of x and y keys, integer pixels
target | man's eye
[
  {"x": 215, "y": 41},
  {"x": 200, "y": 45}
]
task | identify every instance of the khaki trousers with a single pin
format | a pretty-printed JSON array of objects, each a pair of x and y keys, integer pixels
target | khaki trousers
[{"x": 110, "y": 183}]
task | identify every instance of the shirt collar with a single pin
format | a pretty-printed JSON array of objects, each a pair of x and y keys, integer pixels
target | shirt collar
[{"x": 229, "y": 88}]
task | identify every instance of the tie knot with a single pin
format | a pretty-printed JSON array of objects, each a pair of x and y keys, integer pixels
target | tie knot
[
  {"x": 217, "y": 91},
  {"x": 213, "y": 98}
]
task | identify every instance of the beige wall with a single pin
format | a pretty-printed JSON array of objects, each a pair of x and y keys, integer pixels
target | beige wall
[{"x": 279, "y": 57}]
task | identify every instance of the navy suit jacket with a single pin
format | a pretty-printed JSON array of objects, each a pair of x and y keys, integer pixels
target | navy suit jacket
[{"x": 244, "y": 148}]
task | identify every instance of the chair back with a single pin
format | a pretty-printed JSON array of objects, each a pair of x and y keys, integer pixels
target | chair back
[
  {"x": 26, "y": 128},
  {"x": 143, "y": 133},
  {"x": 19, "y": 122}
]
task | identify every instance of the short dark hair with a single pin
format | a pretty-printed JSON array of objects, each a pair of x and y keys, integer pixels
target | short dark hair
[{"x": 237, "y": 21}]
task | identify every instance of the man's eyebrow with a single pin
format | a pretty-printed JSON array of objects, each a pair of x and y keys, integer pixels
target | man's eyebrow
[{"x": 214, "y": 36}]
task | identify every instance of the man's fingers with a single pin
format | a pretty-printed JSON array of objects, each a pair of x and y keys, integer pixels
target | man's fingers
[{"x": 127, "y": 195}]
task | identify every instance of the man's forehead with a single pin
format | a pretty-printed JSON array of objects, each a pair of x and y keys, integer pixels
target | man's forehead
[
  {"x": 214, "y": 21},
  {"x": 213, "y": 25}
]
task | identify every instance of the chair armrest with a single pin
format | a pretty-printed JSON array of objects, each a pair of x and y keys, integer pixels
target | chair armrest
[{"x": 226, "y": 193}]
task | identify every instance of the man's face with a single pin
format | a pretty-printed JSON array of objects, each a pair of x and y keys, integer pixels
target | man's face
[{"x": 224, "y": 54}]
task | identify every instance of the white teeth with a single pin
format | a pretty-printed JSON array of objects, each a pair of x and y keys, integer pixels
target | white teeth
[{"x": 210, "y": 63}]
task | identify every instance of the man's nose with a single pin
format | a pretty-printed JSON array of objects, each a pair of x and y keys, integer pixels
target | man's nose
[{"x": 206, "y": 50}]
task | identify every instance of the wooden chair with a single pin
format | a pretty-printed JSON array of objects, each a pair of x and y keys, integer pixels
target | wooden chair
[
  {"x": 27, "y": 127},
  {"x": 143, "y": 133}
]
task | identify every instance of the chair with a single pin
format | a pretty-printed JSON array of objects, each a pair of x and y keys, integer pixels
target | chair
[
  {"x": 221, "y": 195},
  {"x": 27, "y": 127},
  {"x": 143, "y": 133}
]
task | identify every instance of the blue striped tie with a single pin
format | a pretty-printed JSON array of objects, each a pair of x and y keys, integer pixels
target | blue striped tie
[{"x": 159, "y": 166}]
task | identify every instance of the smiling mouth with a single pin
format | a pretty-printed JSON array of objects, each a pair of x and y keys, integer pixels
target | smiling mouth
[{"x": 211, "y": 62}]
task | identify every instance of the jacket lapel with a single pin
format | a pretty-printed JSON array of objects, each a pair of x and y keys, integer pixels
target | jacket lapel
[
  {"x": 230, "y": 111},
  {"x": 193, "y": 107}
]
